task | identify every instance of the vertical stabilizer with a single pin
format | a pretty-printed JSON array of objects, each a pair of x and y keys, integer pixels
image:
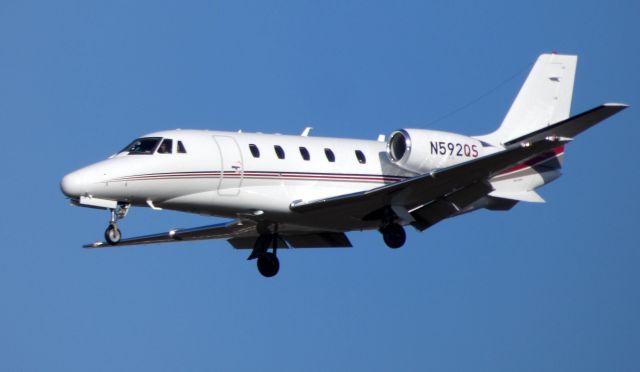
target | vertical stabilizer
[{"x": 544, "y": 99}]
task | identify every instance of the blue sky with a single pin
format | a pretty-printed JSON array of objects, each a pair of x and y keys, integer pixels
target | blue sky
[{"x": 543, "y": 287}]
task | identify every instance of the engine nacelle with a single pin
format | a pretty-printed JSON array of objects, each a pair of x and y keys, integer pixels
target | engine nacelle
[{"x": 422, "y": 150}]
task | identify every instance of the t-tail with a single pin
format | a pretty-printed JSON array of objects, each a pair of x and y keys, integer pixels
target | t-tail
[{"x": 542, "y": 109}]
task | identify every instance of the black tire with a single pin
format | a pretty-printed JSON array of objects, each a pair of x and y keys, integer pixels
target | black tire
[
  {"x": 268, "y": 264},
  {"x": 394, "y": 235},
  {"x": 112, "y": 235}
]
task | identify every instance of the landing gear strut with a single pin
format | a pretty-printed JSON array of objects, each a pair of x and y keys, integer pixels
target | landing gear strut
[
  {"x": 112, "y": 234},
  {"x": 268, "y": 263},
  {"x": 394, "y": 235}
]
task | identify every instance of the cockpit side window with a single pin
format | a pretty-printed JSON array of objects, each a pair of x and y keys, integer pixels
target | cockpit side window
[
  {"x": 165, "y": 146},
  {"x": 181, "y": 149},
  {"x": 142, "y": 146}
]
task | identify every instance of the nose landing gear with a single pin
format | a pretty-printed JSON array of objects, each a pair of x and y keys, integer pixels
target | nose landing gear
[{"x": 112, "y": 234}]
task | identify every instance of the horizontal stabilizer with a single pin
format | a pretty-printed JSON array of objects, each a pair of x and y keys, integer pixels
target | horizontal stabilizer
[
  {"x": 527, "y": 196},
  {"x": 574, "y": 125}
]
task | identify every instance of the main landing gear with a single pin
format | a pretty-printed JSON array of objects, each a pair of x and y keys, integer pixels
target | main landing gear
[
  {"x": 394, "y": 235},
  {"x": 267, "y": 262},
  {"x": 112, "y": 234}
]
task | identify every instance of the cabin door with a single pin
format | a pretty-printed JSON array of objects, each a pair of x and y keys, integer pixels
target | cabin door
[{"x": 231, "y": 167}]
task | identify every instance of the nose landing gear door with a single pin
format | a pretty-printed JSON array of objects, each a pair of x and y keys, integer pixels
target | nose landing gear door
[{"x": 231, "y": 166}]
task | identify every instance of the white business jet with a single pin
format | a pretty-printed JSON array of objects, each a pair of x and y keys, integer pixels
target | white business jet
[{"x": 284, "y": 191}]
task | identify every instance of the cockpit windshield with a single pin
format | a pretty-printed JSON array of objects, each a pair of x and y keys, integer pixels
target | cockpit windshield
[{"x": 144, "y": 145}]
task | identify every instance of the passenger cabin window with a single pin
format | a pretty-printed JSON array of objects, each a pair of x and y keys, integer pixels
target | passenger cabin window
[
  {"x": 304, "y": 153},
  {"x": 360, "y": 156},
  {"x": 279, "y": 151},
  {"x": 330, "y": 155},
  {"x": 142, "y": 146},
  {"x": 181, "y": 149},
  {"x": 255, "y": 151},
  {"x": 165, "y": 146}
]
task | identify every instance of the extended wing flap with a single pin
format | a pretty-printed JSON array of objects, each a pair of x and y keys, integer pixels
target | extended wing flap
[
  {"x": 449, "y": 205},
  {"x": 319, "y": 239}
]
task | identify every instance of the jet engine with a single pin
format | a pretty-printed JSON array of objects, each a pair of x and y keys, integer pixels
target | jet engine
[{"x": 422, "y": 150}]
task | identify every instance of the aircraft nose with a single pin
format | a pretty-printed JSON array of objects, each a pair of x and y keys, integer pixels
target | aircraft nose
[{"x": 73, "y": 184}]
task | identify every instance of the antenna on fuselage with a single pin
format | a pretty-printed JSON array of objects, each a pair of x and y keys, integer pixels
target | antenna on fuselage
[
  {"x": 305, "y": 132},
  {"x": 381, "y": 137}
]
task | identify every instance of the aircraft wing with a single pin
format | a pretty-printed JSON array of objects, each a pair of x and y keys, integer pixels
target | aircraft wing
[
  {"x": 223, "y": 230},
  {"x": 422, "y": 197},
  {"x": 241, "y": 234}
]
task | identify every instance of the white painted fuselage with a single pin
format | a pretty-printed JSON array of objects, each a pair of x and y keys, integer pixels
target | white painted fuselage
[{"x": 219, "y": 175}]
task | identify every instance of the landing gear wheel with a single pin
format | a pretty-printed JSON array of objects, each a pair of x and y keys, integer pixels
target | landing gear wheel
[
  {"x": 394, "y": 235},
  {"x": 268, "y": 264},
  {"x": 112, "y": 235}
]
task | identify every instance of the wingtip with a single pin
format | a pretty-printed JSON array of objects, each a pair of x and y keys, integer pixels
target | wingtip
[
  {"x": 616, "y": 104},
  {"x": 547, "y": 141},
  {"x": 560, "y": 140}
]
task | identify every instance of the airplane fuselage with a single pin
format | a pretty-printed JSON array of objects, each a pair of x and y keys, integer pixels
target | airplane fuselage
[{"x": 233, "y": 174}]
